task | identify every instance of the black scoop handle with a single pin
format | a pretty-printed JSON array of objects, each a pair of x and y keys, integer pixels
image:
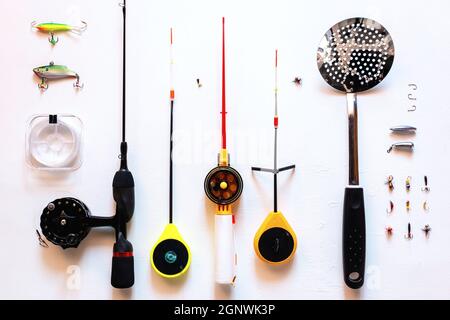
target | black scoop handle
[{"x": 354, "y": 237}]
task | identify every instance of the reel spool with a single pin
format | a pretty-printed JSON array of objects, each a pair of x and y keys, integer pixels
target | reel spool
[
  {"x": 275, "y": 241},
  {"x": 66, "y": 222},
  {"x": 223, "y": 185},
  {"x": 171, "y": 256}
]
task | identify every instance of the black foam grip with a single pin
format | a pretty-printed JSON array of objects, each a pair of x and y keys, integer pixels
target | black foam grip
[
  {"x": 354, "y": 238},
  {"x": 122, "y": 271}
]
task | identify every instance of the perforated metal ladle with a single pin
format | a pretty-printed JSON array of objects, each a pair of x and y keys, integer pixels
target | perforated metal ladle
[{"x": 354, "y": 56}]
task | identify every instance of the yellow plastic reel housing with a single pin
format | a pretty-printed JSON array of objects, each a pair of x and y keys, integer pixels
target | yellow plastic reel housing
[
  {"x": 275, "y": 241},
  {"x": 170, "y": 256}
]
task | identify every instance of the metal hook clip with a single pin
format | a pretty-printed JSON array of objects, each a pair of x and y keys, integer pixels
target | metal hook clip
[
  {"x": 407, "y": 146},
  {"x": 411, "y": 97},
  {"x": 412, "y": 109}
]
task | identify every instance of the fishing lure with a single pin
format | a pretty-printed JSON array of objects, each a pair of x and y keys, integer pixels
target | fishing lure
[
  {"x": 51, "y": 28},
  {"x": 54, "y": 72}
]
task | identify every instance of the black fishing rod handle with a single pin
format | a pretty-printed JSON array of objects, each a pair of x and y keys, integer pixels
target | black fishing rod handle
[
  {"x": 123, "y": 194},
  {"x": 354, "y": 237},
  {"x": 122, "y": 268}
]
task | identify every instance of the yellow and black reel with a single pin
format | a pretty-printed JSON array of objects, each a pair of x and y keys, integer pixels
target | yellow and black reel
[
  {"x": 275, "y": 241},
  {"x": 223, "y": 185},
  {"x": 171, "y": 256}
]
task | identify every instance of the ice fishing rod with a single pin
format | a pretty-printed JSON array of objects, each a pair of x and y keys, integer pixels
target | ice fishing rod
[
  {"x": 223, "y": 186},
  {"x": 67, "y": 221},
  {"x": 170, "y": 256},
  {"x": 275, "y": 241}
]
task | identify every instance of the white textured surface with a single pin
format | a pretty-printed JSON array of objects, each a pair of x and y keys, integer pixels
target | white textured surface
[{"x": 313, "y": 134}]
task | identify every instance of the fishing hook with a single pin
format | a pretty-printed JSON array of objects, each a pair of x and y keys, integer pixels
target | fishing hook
[
  {"x": 43, "y": 85},
  {"x": 53, "y": 39},
  {"x": 77, "y": 83}
]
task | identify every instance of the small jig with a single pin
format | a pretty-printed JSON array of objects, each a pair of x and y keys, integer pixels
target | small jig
[
  {"x": 426, "y": 206},
  {"x": 403, "y": 130},
  {"x": 427, "y": 230},
  {"x": 425, "y": 188},
  {"x": 54, "y": 72},
  {"x": 407, "y": 146},
  {"x": 42, "y": 242},
  {"x": 408, "y": 183},
  {"x": 409, "y": 235},
  {"x": 408, "y": 205},
  {"x": 390, "y": 208},
  {"x": 198, "y": 83},
  {"x": 390, "y": 182},
  {"x": 51, "y": 28},
  {"x": 298, "y": 81},
  {"x": 389, "y": 231}
]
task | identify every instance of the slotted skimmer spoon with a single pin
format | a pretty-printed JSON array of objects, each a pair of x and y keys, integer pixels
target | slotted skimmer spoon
[{"x": 354, "y": 56}]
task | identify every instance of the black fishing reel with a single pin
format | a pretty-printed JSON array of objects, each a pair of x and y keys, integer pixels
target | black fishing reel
[
  {"x": 223, "y": 185},
  {"x": 67, "y": 221}
]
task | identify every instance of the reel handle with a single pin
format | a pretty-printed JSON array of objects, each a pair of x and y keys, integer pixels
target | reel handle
[
  {"x": 122, "y": 269},
  {"x": 225, "y": 258}
]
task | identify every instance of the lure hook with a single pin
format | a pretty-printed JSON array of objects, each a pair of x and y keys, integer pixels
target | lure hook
[
  {"x": 43, "y": 85},
  {"x": 53, "y": 39},
  {"x": 77, "y": 84}
]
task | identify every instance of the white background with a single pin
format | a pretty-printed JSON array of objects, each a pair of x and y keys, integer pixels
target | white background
[{"x": 313, "y": 134}]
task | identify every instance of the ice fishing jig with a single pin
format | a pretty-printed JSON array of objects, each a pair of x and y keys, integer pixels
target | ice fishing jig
[
  {"x": 275, "y": 241},
  {"x": 427, "y": 230},
  {"x": 390, "y": 182},
  {"x": 406, "y": 146},
  {"x": 52, "y": 28},
  {"x": 425, "y": 188},
  {"x": 409, "y": 235},
  {"x": 389, "y": 231},
  {"x": 223, "y": 186},
  {"x": 54, "y": 72},
  {"x": 298, "y": 81},
  {"x": 390, "y": 208},
  {"x": 408, "y": 183}
]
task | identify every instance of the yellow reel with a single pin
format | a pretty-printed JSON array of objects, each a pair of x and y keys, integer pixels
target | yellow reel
[
  {"x": 275, "y": 241},
  {"x": 170, "y": 256}
]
